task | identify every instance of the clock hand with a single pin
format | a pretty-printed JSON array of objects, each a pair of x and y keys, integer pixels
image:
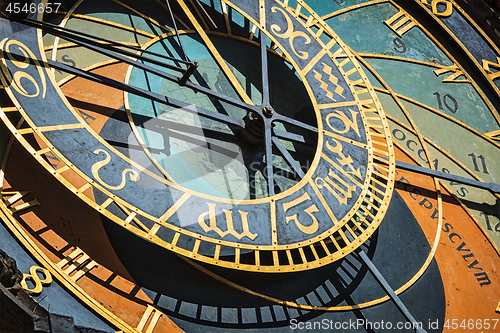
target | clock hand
[
  {"x": 264, "y": 70},
  {"x": 385, "y": 285},
  {"x": 215, "y": 54},
  {"x": 288, "y": 136},
  {"x": 110, "y": 51},
  {"x": 269, "y": 174},
  {"x": 147, "y": 94},
  {"x": 291, "y": 121},
  {"x": 91, "y": 39},
  {"x": 281, "y": 134},
  {"x": 113, "y": 53},
  {"x": 176, "y": 30},
  {"x": 492, "y": 187},
  {"x": 232, "y": 79},
  {"x": 288, "y": 157},
  {"x": 199, "y": 5},
  {"x": 104, "y": 50}
]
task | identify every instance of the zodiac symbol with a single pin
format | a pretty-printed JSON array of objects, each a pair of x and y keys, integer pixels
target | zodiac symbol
[
  {"x": 342, "y": 191},
  {"x": 332, "y": 78},
  {"x": 15, "y": 80},
  {"x": 311, "y": 229},
  {"x": 447, "y": 12},
  {"x": 289, "y": 33},
  {"x": 348, "y": 123},
  {"x": 344, "y": 160},
  {"x": 229, "y": 223},
  {"x": 134, "y": 175},
  {"x": 33, "y": 276}
]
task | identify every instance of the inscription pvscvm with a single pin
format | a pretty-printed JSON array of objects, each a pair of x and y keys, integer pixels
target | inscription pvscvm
[{"x": 463, "y": 248}]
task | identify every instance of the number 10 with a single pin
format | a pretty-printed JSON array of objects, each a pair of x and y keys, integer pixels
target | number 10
[{"x": 446, "y": 99}]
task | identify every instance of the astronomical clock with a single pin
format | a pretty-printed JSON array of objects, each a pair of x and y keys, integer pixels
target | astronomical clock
[{"x": 252, "y": 165}]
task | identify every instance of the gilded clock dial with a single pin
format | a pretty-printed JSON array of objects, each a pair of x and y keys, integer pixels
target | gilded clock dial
[
  {"x": 248, "y": 177},
  {"x": 262, "y": 136}
]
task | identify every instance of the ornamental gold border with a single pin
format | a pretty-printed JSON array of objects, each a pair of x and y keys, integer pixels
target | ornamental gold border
[
  {"x": 302, "y": 75},
  {"x": 8, "y": 219},
  {"x": 102, "y": 311},
  {"x": 434, "y": 40},
  {"x": 404, "y": 287},
  {"x": 413, "y": 129},
  {"x": 363, "y": 305},
  {"x": 277, "y": 267},
  {"x": 461, "y": 45}
]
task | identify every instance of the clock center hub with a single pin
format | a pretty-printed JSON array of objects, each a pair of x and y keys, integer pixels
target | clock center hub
[
  {"x": 268, "y": 112},
  {"x": 253, "y": 133},
  {"x": 206, "y": 154}
]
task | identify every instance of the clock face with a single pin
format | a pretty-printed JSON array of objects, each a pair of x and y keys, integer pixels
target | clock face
[{"x": 237, "y": 164}]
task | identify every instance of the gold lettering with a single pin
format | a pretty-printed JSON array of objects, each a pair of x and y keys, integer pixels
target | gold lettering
[
  {"x": 344, "y": 160},
  {"x": 151, "y": 313},
  {"x": 78, "y": 262},
  {"x": 348, "y": 123},
  {"x": 311, "y": 229},
  {"x": 399, "y": 23},
  {"x": 15, "y": 197},
  {"x": 210, "y": 214},
  {"x": 134, "y": 175},
  {"x": 88, "y": 118},
  {"x": 491, "y": 74},
  {"x": 337, "y": 186},
  {"x": 33, "y": 276}
]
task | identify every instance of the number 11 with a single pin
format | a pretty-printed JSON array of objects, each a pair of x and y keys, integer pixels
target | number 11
[{"x": 483, "y": 162}]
